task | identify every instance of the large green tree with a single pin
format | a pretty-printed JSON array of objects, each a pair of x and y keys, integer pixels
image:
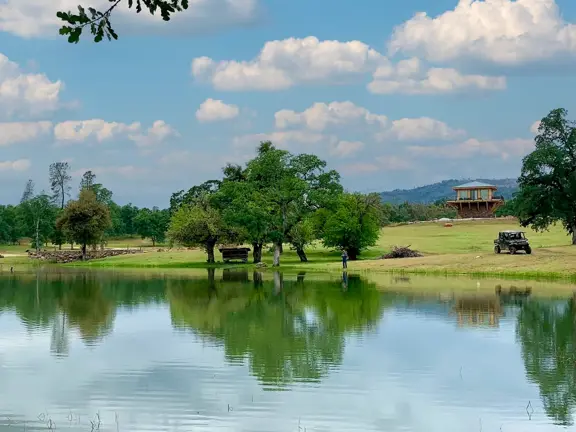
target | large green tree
[
  {"x": 355, "y": 223},
  {"x": 85, "y": 220},
  {"x": 547, "y": 183},
  {"x": 292, "y": 187}
]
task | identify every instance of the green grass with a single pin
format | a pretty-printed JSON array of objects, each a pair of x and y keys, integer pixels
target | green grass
[{"x": 464, "y": 249}]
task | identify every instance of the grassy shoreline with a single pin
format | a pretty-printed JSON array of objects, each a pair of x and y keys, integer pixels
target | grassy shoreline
[{"x": 464, "y": 249}]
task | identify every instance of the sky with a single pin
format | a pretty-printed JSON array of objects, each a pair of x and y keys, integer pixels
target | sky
[{"x": 391, "y": 94}]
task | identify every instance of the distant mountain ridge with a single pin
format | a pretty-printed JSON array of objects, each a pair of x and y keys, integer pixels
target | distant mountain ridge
[{"x": 441, "y": 190}]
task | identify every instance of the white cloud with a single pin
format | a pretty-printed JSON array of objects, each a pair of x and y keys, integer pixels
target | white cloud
[
  {"x": 32, "y": 18},
  {"x": 535, "y": 126},
  {"x": 70, "y": 132},
  {"x": 15, "y": 166},
  {"x": 13, "y": 133},
  {"x": 100, "y": 130},
  {"x": 25, "y": 94},
  {"x": 320, "y": 116},
  {"x": 500, "y": 31},
  {"x": 158, "y": 133},
  {"x": 408, "y": 77},
  {"x": 423, "y": 128},
  {"x": 215, "y": 110},
  {"x": 282, "y": 64},
  {"x": 500, "y": 148},
  {"x": 346, "y": 148}
]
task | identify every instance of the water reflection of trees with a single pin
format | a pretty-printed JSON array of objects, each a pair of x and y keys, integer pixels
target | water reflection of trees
[
  {"x": 84, "y": 302},
  {"x": 546, "y": 332},
  {"x": 290, "y": 329}
]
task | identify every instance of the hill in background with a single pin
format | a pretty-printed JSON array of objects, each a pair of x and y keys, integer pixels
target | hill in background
[{"x": 437, "y": 191}]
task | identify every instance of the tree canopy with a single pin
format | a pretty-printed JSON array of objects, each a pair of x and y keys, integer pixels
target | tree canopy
[
  {"x": 99, "y": 24},
  {"x": 547, "y": 181},
  {"x": 85, "y": 220}
]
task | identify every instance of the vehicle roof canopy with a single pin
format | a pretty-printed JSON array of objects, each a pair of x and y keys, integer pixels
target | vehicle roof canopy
[{"x": 512, "y": 231}]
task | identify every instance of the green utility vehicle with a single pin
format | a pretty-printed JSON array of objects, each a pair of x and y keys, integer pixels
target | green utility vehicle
[{"x": 512, "y": 241}]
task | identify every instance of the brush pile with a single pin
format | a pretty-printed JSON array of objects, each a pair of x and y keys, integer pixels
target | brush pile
[
  {"x": 401, "y": 252},
  {"x": 63, "y": 257}
]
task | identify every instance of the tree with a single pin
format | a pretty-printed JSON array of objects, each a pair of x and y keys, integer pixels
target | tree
[
  {"x": 198, "y": 225},
  {"x": 87, "y": 181},
  {"x": 245, "y": 209},
  {"x": 354, "y": 225},
  {"x": 99, "y": 22},
  {"x": 85, "y": 220},
  {"x": 547, "y": 183},
  {"x": 292, "y": 187},
  {"x": 193, "y": 195},
  {"x": 152, "y": 224},
  {"x": 60, "y": 182},
  {"x": 37, "y": 215}
]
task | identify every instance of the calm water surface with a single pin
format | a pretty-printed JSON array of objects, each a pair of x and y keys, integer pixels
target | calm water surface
[{"x": 245, "y": 352}]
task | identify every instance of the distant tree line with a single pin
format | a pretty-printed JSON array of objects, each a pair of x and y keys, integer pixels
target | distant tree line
[{"x": 51, "y": 218}]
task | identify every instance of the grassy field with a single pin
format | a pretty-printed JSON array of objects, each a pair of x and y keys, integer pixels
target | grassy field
[{"x": 465, "y": 248}]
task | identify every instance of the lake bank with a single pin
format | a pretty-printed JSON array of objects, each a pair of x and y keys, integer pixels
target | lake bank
[{"x": 466, "y": 248}]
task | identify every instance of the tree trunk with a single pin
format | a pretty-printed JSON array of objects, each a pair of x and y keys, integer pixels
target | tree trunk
[
  {"x": 84, "y": 252},
  {"x": 301, "y": 254},
  {"x": 281, "y": 248},
  {"x": 278, "y": 282},
  {"x": 71, "y": 245},
  {"x": 37, "y": 235},
  {"x": 300, "y": 277},
  {"x": 277, "y": 252},
  {"x": 211, "y": 277},
  {"x": 60, "y": 246},
  {"x": 153, "y": 242},
  {"x": 574, "y": 236},
  {"x": 258, "y": 279},
  {"x": 257, "y": 252},
  {"x": 353, "y": 254},
  {"x": 210, "y": 251}
]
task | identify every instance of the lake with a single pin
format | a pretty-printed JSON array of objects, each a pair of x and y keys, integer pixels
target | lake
[{"x": 239, "y": 351}]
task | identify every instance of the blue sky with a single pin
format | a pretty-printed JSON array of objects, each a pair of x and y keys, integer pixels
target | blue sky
[{"x": 390, "y": 97}]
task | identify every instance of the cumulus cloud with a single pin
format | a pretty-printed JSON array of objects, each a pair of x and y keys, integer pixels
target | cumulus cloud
[
  {"x": 502, "y": 149},
  {"x": 409, "y": 77},
  {"x": 282, "y": 64},
  {"x": 506, "y": 32},
  {"x": 535, "y": 126},
  {"x": 15, "y": 166},
  {"x": 346, "y": 148},
  {"x": 321, "y": 115},
  {"x": 97, "y": 129},
  {"x": 159, "y": 132},
  {"x": 70, "y": 132},
  {"x": 25, "y": 94},
  {"x": 13, "y": 133},
  {"x": 327, "y": 116},
  {"x": 423, "y": 128},
  {"x": 215, "y": 110},
  {"x": 32, "y": 18}
]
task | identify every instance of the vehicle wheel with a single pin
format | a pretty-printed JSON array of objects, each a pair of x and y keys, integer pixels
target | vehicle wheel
[
  {"x": 497, "y": 249},
  {"x": 528, "y": 250},
  {"x": 512, "y": 250}
]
